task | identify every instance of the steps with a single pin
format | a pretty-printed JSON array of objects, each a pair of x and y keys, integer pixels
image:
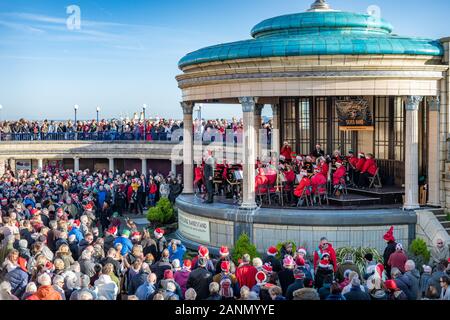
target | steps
[
  {"x": 386, "y": 195},
  {"x": 442, "y": 218},
  {"x": 353, "y": 200}
]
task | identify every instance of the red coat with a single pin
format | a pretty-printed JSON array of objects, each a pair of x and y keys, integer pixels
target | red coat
[
  {"x": 198, "y": 174},
  {"x": 317, "y": 180},
  {"x": 245, "y": 275},
  {"x": 261, "y": 181},
  {"x": 338, "y": 175},
  {"x": 290, "y": 176},
  {"x": 318, "y": 256},
  {"x": 286, "y": 152},
  {"x": 360, "y": 164},
  {"x": 370, "y": 166},
  {"x": 305, "y": 182},
  {"x": 353, "y": 161},
  {"x": 324, "y": 169}
]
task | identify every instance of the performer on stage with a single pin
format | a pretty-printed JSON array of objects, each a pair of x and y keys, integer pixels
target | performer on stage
[
  {"x": 210, "y": 164},
  {"x": 339, "y": 174},
  {"x": 318, "y": 179},
  {"x": 198, "y": 178},
  {"x": 323, "y": 165},
  {"x": 359, "y": 166},
  {"x": 369, "y": 170},
  {"x": 318, "y": 152},
  {"x": 352, "y": 162},
  {"x": 305, "y": 182},
  {"x": 286, "y": 151}
]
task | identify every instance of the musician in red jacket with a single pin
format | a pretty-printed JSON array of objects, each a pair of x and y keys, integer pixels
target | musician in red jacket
[
  {"x": 261, "y": 181},
  {"x": 339, "y": 174},
  {"x": 286, "y": 151},
  {"x": 198, "y": 178},
  {"x": 369, "y": 170},
  {"x": 323, "y": 166},
  {"x": 305, "y": 182},
  {"x": 318, "y": 179},
  {"x": 359, "y": 166}
]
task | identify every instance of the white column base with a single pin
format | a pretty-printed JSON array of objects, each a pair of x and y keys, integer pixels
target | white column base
[{"x": 249, "y": 206}]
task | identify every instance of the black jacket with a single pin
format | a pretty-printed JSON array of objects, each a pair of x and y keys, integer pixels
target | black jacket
[
  {"x": 286, "y": 277},
  {"x": 357, "y": 294},
  {"x": 298, "y": 284},
  {"x": 199, "y": 280},
  {"x": 390, "y": 249},
  {"x": 159, "y": 267},
  {"x": 274, "y": 262}
]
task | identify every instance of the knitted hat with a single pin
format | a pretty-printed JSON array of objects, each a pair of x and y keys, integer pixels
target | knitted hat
[
  {"x": 399, "y": 247},
  {"x": 135, "y": 234},
  {"x": 302, "y": 250},
  {"x": 389, "y": 236},
  {"x": 261, "y": 277},
  {"x": 176, "y": 264},
  {"x": 126, "y": 233},
  {"x": 224, "y": 252},
  {"x": 390, "y": 284},
  {"x": 426, "y": 269},
  {"x": 89, "y": 207},
  {"x": 225, "y": 266},
  {"x": 298, "y": 274},
  {"x": 112, "y": 230},
  {"x": 272, "y": 251},
  {"x": 168, "y": 274},
  {"x": 203, "y": 251}
]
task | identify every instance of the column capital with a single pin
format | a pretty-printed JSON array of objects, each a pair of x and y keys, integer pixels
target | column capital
[
  {"x": 412, "y": 102},
  {"x": 248, "y": 103},
  {"x": 434, "y": 103},
  {"x": 188, "y": 107},
  {"x": 258, "y": 109}
]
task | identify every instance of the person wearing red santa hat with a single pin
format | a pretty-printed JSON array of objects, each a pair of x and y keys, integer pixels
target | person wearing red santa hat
[
  {"x": 339, "y": 174},
  {"x": 303, "y": 186},
  {"x": 226, "y": 273},
  {"x": 272, "y": 259},
  {"x": 161, "y": 242},
  {"x": 203, "y": 252},
  {"x": 110, "y": 237},
  {"x": 324, "y": 269},
  {"x": 390, "y": 249},
  {"x": 181, "y": 277},
  {"x": 325, "y": 246},
  {"x": 262, "y": 286},
  {"x": 224, "y": 255},
  {"x": 286, "y": 275}
]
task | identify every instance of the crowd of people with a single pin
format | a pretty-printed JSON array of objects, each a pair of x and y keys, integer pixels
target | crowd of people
[
  {"x": 136, "y": 128},
  {"x": 58, "y": 250}
]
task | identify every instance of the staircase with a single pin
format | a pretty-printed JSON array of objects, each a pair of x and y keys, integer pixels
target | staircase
[{"x": 442, "y": 217}]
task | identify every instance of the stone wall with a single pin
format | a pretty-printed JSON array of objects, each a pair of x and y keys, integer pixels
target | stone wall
[{"x": 430, "y": 229}]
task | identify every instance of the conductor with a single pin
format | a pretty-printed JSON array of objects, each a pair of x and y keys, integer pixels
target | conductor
[{"x": 210, "y": 164}]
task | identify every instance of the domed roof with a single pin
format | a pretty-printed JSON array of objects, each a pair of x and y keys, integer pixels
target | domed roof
[{"x": 317, "y": 32}]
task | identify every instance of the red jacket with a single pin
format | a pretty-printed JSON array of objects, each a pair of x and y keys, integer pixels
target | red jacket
[
  {"x": 153, "y": 188},
  {"x": 353, "y": 161},
  {"x": 286, "y": 152},
  {"x": 360, "y": 164},
  {"x": 338, "y": 175},
  {"x": 317, "y": 180},
  {"x": 290, "y": 176},
  {"x": 261, "y": 181},
  {"x": 324, "y": 169},
  {"x": 305, "y": 182},
  {"x": 245, "y": 275},
  {"x": 370, "y": 166},
  {"x": 318, "y": 256},
  {"x": 198, "y": 174}
]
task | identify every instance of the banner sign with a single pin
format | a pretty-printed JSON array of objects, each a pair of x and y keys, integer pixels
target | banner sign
[
  {"x": 354, "y": 114},
  {"x": 193, "y": 228}
]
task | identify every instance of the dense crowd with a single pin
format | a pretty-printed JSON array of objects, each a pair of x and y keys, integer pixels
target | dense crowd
[
  {"x": 61, "y": 241},
  {"x": 158, "y": 129}
]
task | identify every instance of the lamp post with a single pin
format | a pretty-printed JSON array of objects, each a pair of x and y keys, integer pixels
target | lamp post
[
  {"x": 145, "y": 125},
  {"x": 75, "y": 108},
  {"x": 98, "y": 110}
]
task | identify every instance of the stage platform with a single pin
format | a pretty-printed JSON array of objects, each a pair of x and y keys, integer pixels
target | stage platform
[{"x": 222, "y": 222}]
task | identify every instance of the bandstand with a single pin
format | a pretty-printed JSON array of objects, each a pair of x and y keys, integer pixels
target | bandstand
[{"x": 340, "y": 79}]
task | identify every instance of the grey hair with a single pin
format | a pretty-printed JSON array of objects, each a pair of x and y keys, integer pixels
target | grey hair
[
  {"x": 214, "y": 287},
  {"x": 57, "y": 278},
  {"x": 190, "y": 294},
  {"x": 410, "y": 265}
]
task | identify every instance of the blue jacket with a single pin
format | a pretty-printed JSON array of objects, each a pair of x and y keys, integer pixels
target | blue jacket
[
  {"x": 18, "y": 280},
  {"x": 178, "y": 254},
  {"x": 78, "y": 235},
  {"x": 145, "y": 291},
  {"x": 127, "y": 245}
]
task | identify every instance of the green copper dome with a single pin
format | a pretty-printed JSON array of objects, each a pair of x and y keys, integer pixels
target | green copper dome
[{"x": 322, "y": 32}]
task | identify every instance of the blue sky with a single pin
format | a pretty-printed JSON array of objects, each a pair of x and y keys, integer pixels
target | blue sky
[{"x": 126, "y": 52}]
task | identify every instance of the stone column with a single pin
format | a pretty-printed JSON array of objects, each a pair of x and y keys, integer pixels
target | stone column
[
  {"x": 188, "y": 148},
  {"x": 76, "y": 164},
  {"x": 12, "y": 165},
  {"x": 111, "y": 164},
  {"x": 249, "y": 152},
  {"x": 144, "y": 166},
  {"x": 276, "y": 129},
  {"x": 2, "y": 167},
  {"x": 412, "y": 153},
  {"x": 173, "y": 167},
  {"x": 40, "y": 164},
  {"x": 259, "y": 132},
  {"x": 433, "y": 152}
]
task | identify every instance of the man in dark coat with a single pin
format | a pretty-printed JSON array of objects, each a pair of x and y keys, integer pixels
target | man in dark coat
[
  {"x": 390, "y": 249},
  {"x": 162, "y": 265},
  {"x": 199, "y": 279},
  {"x": 271, "y": 258},
  {"x": 299, "y": 277},
  {"x": 286, "y": 276},
  {"x": 403, "y": 282},
  {"x": 208, "y": 172},
  {"x": 355, "y": 292}
]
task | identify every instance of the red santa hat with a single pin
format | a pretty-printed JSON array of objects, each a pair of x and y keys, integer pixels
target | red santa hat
[
  {"x": 76, "y": 223},
  {"x": 389, "y": 236},
  {"x": 267, "y": 268},
  {"x": 203, "y": 251},
  {"x": 168, "y": 274},
  {"x": 380, "y": 269},
  {"x": 300, "y": 261},
  {"x": 288, "y": 261},
  {"x": 261, "y": 277},
  {"x": 89, "y": 207},
  {"x": 158, "y": 232},
  {"x": 324, "y": 263},
  {"x": 112, "y": 230},
  {"x": 135, "y": 234},
  {"x": 187, "y": 264},
  {"x": 35, "y": 212},
  {"x": 225, "y": 266},
  {"x": 272, "y": 251},
  {"x": 224, "y": 251}
]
